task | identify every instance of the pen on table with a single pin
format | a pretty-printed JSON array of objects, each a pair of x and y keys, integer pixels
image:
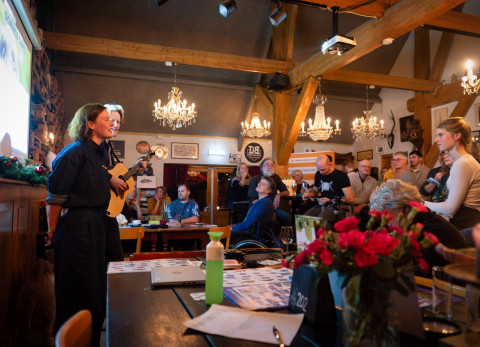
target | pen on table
[{"x": 277, "y": 335}]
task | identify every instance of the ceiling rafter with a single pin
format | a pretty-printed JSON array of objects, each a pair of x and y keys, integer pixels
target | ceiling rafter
[
  {"x": 457, "y": 22},
  {"x": 397, "y": 20}
]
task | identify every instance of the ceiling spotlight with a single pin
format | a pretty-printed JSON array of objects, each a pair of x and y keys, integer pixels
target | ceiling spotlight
[
  {"x": 227, "y": 7},
  {"x": 277, "y": 16}
]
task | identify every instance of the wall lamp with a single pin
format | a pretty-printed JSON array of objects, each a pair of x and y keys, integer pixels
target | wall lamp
[
  {"x": 227, "y": 7},
  {"x": 278, "y": 15}
]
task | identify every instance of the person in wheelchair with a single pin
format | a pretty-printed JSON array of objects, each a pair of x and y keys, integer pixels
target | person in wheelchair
[{"x": 261, "y": 211}]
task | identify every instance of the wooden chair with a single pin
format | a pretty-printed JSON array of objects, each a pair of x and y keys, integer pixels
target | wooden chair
[
  {"x": 77, "y": 331},
  {"x": 226, "y": 234},
  {"x": 132, "y": 234},
  {"x": 166, "y": 255}
]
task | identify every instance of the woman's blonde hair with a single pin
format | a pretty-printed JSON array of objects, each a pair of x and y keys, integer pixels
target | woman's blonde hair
[
  {"x": 457, "y": 125},
  {"x": 78, "y": 128},
  {"x": 393, "y": 195},
  {"x": 237, "y": 172},
  {"x": 297, "y": 173}
]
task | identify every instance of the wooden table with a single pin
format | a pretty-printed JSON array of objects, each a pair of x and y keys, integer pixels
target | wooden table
[{"x": 184, "y": 232}]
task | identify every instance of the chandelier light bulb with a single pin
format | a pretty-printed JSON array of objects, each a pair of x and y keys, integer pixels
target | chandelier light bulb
[{"x": 470, "y": 83}]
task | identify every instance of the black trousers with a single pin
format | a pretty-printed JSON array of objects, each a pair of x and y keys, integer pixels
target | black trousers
[
  {"x": 80, "y": 271},
  {"x": 113, "y": 245}
]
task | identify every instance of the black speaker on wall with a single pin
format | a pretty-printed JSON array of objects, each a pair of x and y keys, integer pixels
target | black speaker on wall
[{"x": 278, "y": 82}]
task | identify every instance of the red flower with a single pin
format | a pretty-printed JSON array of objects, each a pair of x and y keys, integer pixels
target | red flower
[
  {"x": 397, "y": 229},
  {"x": 299, "y": 258},
  {"x": 315, "y": 247},
  {"x": 285, "y": 264},
  {"x": 423, "y": 264},
  {"x": 365, "y": 258},
  {"x": 353, "y": 238},
  {"x": 375, "y": 214},
  {"x": 320, "y": 232},
  {"x": 346, "y": 224},
  {"x": 382, "y": 244},
  {"x": 418, "y": 206},
  {"x": 431, "y": 237},
  {"x": 326, "y": 257}
]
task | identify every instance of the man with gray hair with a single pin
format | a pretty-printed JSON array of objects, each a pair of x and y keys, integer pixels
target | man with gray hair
[
  {"x": 363, "y": 185},
  {"x": 400, "y": 167},
  {"x": 267, "y": 168}
]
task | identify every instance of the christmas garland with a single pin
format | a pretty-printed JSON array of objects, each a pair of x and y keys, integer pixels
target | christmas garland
[{"x": 11, "y": 168}]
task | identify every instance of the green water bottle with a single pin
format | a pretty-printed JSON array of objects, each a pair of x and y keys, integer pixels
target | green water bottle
[{"x": 214, "y": 278}]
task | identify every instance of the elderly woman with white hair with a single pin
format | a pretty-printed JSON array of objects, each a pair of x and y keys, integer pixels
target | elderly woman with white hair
[{"x": 395, "y": 196}]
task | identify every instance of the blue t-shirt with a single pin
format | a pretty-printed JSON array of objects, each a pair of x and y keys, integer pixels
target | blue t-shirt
[
  {"x": 261, "y": 211},
  {"x": 186, "y": 210}
]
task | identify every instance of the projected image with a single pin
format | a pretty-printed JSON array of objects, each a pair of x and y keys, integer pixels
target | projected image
[{"x": 15, "y": 65}]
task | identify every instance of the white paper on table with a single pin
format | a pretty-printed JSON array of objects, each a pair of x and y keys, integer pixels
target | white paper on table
[{"x": 247, "y": 325}]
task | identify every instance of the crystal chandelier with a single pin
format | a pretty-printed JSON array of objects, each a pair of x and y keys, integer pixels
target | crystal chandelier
[
  {"x": 470, "y": 83},
  {"x": 320, "y": 130},
  {"x": 367, "y": 127},
  {"x": 255, "y": 128},
  {"x": 175, "y": 114}
]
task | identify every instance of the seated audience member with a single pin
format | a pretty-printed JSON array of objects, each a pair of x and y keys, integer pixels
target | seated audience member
[
  {"x": 400, "y": 167},
  {"x": 156, "y": 202},
  {"x": 239, "y": 186},
  {"x": 131, "y": 208},
  {"x": 184, "y": 209},
  {"x": 390, "y": 174},
  {"x": 347, "y": 166},
  {"x": 462, "y": 206},
  {"x": 395, "y": 196},
  {"x": 300, "y": 184},
  {"x": 435, "y": 185},
  {"x": 419, "y": 170},
  {"x": 363, "y": 186},
  {"x": 267, "y": 167},
  {"x": 383, "y": 171},
  {"x": 261, "y": 211},
  {"x": 330, "y": 184}
]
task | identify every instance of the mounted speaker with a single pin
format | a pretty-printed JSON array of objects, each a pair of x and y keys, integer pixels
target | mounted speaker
[{"x": 278, "y": 82}]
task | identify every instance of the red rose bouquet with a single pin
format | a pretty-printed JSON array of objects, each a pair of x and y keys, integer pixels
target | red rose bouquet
[{"x": 370, "y": 264}]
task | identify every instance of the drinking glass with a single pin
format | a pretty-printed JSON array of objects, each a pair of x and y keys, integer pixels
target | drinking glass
[
  {"x": 441, "y": 293},
  {"x": 286, "y": 236}
]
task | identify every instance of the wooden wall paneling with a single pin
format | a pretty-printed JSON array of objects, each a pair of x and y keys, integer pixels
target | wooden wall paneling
[{"x": 6, "y": 235}]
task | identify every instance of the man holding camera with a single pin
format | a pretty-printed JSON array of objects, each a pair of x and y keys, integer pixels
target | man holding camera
[{"x": 331, "y": 188}]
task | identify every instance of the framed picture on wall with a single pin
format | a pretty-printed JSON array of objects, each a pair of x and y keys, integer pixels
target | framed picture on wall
[
  {"x": 118, "y": 148},
  {"x": 184, "y": 150},
  {"x": 379, "y": 149},
  {"x": 406, "y": 123},
  {"x": 365, "y": 155}
]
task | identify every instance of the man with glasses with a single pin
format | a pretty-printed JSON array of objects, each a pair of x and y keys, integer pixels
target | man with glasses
[
  {"x": 420, "y": 171},
  {"x": 267, "y": 168},
  {"x": 363, "y": 186},
  {"x": 400, "y": 167}
]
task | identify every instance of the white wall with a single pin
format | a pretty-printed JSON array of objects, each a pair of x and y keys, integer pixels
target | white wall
[{"x": 205, "y": 143}]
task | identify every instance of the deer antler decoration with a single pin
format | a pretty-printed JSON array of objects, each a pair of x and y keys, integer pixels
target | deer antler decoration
[{"x": 390, "y": 136}]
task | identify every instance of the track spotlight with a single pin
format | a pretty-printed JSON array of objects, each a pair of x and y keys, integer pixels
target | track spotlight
[
  {"x": 227, "y": 7},
  {"x": 277, "y": 16}
]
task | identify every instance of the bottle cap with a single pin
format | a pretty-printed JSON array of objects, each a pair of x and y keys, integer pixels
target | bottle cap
[{"x": 215, "y": 235}]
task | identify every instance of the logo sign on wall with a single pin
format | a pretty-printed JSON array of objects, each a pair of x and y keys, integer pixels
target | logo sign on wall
[{"x": 254, "y": 152}]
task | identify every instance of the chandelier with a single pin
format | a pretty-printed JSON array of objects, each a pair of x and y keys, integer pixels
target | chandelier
[
  {"x": 320, "y": 130},
  {"x": 470, "y": 83},
  {"x": 255, "y": 128},
  {"x": 175, "y": 114},
  {"x": 367, "y": 127}
]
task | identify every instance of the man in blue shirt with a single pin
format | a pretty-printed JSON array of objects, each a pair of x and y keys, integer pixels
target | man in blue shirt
[{"x": 184, "y": 209}]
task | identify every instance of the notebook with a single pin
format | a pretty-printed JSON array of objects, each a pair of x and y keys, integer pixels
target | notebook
[{"x": 177, "y": 275}]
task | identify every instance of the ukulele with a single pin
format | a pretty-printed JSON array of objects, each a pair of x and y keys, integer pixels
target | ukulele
[{"x": 117, "y": 201}]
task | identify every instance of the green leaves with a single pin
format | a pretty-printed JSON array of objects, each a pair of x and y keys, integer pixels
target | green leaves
[{"x": 353, "y": 290}]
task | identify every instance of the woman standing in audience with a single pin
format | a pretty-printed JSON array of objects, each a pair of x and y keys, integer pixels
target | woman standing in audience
[
  {"x": 462, "y": 206},
  {"x": 79, "y": 183},
  {"x": 239, "y": 187}
]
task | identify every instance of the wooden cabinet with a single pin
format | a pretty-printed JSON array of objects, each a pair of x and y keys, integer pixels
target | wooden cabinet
[{"x": 19, "y": 207}]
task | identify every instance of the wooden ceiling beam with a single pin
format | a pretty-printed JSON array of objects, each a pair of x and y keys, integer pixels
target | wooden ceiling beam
[
  {"x": 374, "y": 9},
  {"x": 283, "y": 35},
  {"x": 458, "y": 22},
  {"x": 405, "y": 16},
  {"x": 381, "y": 80},
  {"x": 294, "y": 125},
  {"x": 449, "y": 93},
  {"x": 142, "y": 51},
  {"x": 441, "y": 57}
]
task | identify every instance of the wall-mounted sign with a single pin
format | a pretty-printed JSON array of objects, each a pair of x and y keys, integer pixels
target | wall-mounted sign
[
  {"x": 254, "y": 152},
  {"x": 118, "y": 148},
  {"x": 142, "y": 147}
]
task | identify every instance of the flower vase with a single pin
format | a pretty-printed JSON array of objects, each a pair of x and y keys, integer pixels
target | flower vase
[{"x": 368, "y": 323}]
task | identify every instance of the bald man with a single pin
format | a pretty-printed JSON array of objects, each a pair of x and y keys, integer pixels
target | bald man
[
  {"x": 329, "y": 184},
  {"x": 363, "y": 185}
]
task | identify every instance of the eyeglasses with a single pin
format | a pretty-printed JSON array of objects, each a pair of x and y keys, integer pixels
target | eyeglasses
[
  {"x": 398, "y": 159},
  {"x": 365, "y": 166}
]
